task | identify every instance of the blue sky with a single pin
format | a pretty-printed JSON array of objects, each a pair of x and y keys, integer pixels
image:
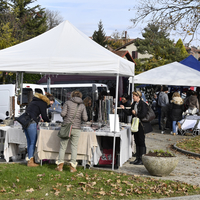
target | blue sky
[{"x": 86, "y": 14}]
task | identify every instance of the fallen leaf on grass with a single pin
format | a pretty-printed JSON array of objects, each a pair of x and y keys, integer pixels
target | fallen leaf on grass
[
  {"x": 84, "y": 189},
  {"x": 80, "y": 175},
  {"x": 3, "y": 190},
  {"x": 58, "y": 184},
  {"x": 102, "y": 193},
  {"x": 41, "y": 175},
  {"x": 93, "y": 183},
  {"x": 118, "y": 181},
  {"x": 82, "y": 183},
  {"x": 30, "y": 190},
  {"x": 127, "y": 183},
  {"x": 57, "y": 193}
]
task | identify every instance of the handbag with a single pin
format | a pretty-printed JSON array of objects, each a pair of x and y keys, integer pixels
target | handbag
[
  {"x": 25, "y": 120},
  {"x": 150, "y": 115},
  {"x": 135, "y": 124},
  {"x": 65, "y": 130}
]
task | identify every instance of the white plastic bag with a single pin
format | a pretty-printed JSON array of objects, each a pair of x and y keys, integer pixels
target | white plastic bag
[{"x": 135, "y": 124}]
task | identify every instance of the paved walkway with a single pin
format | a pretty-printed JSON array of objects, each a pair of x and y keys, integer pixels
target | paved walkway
[{"x": 187, "y": 170}]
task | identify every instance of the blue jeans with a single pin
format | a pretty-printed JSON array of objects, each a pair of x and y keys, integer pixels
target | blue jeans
[
  {"x": 31, "y": 137},
  {"x": 174, "y": 126}
]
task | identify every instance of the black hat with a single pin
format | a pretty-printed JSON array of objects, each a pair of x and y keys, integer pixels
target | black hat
[{"x": 165, "y": 89}]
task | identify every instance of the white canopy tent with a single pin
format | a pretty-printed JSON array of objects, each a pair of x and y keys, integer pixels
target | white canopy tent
[
  {"x": 171, "y": 74},
  {"x": 65, "y": 50}
]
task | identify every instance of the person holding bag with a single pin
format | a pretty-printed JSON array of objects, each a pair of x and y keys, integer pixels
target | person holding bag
[
  {"x": 73, "y": 111},
  {"x": 139, "y": 109},
  {"x": 38, "y": 106}
]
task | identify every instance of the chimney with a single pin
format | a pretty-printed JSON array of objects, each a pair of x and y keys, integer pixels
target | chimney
[{"x": 125, "y": 34}]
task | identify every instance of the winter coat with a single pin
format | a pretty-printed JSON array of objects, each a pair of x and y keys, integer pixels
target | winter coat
[
  {"x": 69, "y": 108},
  {"x": 142, "y": 109},
  {"x": 192, "y": 102},
  {"x": 38, "y": 106},
  {"x": 176, "y": 109},
  {"x": 163, "y": 99}
]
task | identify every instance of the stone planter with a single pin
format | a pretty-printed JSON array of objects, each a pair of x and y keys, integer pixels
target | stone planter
[{"x": 159, "y": 166}]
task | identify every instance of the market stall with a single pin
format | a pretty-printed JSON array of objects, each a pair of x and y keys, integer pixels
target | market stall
[
  {"x": 12, "y": 138},
  {"x": 48, "y": 144},
  {"x": 65, "y": 50}
]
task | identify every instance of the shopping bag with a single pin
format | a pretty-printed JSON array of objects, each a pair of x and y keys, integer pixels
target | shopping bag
[
  {"x": 65, "y": 131},
  {"x": 150, "y": 115},
  {"x": 25, "y": 120},
  {"x": 135, "y": 124}
]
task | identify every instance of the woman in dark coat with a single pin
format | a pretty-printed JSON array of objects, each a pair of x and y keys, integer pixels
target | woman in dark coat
[
  {"x": 176, "y": 111},
  {"x": 38, "y": 106},
  {"x": 139, "y": 109}
]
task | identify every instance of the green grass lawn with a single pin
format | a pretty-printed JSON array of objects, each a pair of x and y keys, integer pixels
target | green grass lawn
[
  {"x": 192, "y": 144},
  {"x": 21, "y": 182}
]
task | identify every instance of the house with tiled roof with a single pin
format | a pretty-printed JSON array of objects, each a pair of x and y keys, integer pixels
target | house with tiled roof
[
  {"x": 195, "y": 51},
  {"x": 131, "y": 48},
  {"x": 124, "y": 54}
]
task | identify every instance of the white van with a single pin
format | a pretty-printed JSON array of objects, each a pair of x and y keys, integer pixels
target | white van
[
  {"x": 63, "y": 91},
  {"x": 9, "y": 102}
]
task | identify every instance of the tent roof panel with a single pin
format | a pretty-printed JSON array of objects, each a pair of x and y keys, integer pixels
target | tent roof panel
[
  {"x": 63, "y": 50},
  {"x": 171, "y": 74}
]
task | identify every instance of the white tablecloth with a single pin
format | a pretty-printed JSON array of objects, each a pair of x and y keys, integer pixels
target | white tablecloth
[
  {"x": 48, "y": 145},
  {"x": 13, "y": 138},
  {"x": 125, "y": 143},
  {"x": 189, "y": 122}
]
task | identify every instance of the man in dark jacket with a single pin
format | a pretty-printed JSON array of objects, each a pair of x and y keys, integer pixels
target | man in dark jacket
[{"x": 125, "y": 101}]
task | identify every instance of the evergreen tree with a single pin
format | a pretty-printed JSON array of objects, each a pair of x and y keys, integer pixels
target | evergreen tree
[
  {"x": 19, "y": 22},
  {"x": 184, "y": 53},
  {"x": 100, "y": 36},
  {"x": 29, "y": 21},
  {"x": 157, "y": 43}
]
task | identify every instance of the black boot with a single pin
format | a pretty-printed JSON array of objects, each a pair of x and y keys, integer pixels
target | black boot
[
  {"x": 137, "y": 155},
  {"x": 142, "y": 150}
]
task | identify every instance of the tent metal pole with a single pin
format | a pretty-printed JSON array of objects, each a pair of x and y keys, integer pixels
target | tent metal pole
[
  {"x": 115, "y": 121},
  {"x": 21, "y": 87},
  {"x": 48, "y": 85},
  {"x": 132, "y": 87}
]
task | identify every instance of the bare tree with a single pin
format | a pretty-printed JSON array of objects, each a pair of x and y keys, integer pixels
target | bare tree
[
  {"x": 53, "y": 18},
  {"x": 182, "y": 16}
]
